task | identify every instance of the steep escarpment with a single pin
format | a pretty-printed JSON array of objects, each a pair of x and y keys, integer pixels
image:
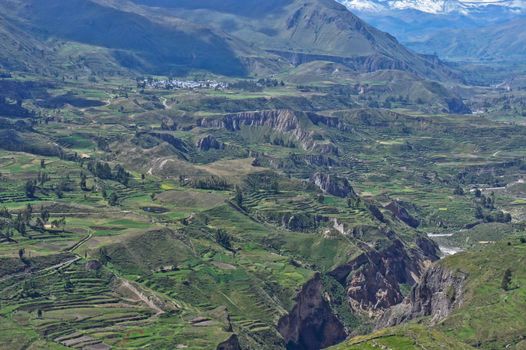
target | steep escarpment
[
  {"x": 311, "y": 325},
  {"x": 371, "y": 283},
  {"x": 209, "y": 142},
  {"x": 373, "y": 279},
  {"x": 401, "y": 213},
  {"x": 331, "y": 184},
  {"x": 284, "y": 121},
  {"x": 439, "y": 292},
  {"x": 232, "y": 343}
]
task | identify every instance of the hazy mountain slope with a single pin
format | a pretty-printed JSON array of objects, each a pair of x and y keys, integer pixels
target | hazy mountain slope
[
  {"x": 447, "y": 25},
  {"x": 165, "y": 37},
  {"x": 496, "y": 42},
  {"x": 136, "y": 40},
  {"x": 303, "y": 31},
  {"x": 17, "y": 49}
]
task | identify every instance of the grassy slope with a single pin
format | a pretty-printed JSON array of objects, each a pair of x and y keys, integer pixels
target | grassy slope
[
  {"x": 132, "y": 40},
  {"x": 409, "y": 337},
  {"x": 490, "y": 316}
]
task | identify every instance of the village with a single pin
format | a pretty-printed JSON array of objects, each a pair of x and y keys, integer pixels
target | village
[{"x": 175, "y": 84}]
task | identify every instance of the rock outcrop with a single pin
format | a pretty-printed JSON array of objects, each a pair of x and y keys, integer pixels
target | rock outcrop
[
  {"x": 331, "y": 184},
  {"x": 279, "y": 120},
  {"x": 315, "y": 160},
  {"x": 311, "y": 325},
  {"x": 167, "y": 137},
  {"x": 282, "y": 120},
  {"x": 232, "y": 343},
  {"x": 209, "y": 142},
  {"x": 372, "y": 281},
  {"x": 402, "y": 214},
  {"x": 439, "y": 292},
  {"x": 373, "y": 278}
]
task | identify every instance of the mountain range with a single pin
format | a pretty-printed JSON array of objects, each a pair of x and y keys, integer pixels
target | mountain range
[
  {"x": 504, "y": 42},
  {"x": 166, "y": 37},
  {"x": 454, "y": 30},
  {"x": 437, "y": 7},
  {"x": 260, "y": 175}
]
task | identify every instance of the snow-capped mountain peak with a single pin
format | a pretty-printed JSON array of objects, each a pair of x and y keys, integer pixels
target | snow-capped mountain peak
[{"x": 433, "y": 6}]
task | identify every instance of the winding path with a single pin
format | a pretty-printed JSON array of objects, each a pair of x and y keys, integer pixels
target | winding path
[{"x": 143, "y": 297}]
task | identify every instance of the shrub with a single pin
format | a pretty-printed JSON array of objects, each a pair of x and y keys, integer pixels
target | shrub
[{"x": 224, "y": 239}]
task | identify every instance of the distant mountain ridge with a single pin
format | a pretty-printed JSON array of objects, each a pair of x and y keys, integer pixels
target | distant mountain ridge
[
  {"x": 223, "y": 37},
  {"x": 480, "y": 30},
  {"x": 501, "y": 42},
  {"x": 435, "y": 6},
  {"x": 306, "y": 30}
]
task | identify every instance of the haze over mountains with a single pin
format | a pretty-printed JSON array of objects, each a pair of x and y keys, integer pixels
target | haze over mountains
[
  {"x": 454, "y": 30},
  {"x": 222, "y": 37},
  {"x": 437, "y": 7},
  {"x": 502, "y": 41}
]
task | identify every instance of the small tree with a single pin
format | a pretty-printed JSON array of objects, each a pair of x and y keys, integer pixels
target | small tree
[
  {"x": 506, "y": 280},
  {"x": 39, "y": 225},
  {"x": 62, "y": 223},
  {"x": 20, "y": 225},
  {"x": 43, "y": 163},
  {"x": 459, "y": 191},
  {"x": 30, "y": 189},
  {"x": 68, "y": 286},
  {"x": 83, "y": 179},
  {"x": 58, "y": 192},
  {"x": 28, "y": 213},
  {"x": 44, "y": 215},
  {"x": 479, "y": 213},
  {"x": 104, "y": 257},
  {"x": 4, "y": 213},
  {"x": 224, "y": 239},
  {"x": 239, "y": 197},
  {"x": 113, "y": 199}
]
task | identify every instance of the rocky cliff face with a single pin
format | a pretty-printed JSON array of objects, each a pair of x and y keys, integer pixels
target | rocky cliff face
[
  {"x": 279, "y": 120},
  {"x": 177, "y": 143},
  {"x": 373, "y": 279},
  {"x": 209, "y": 142},
  {"x": 372, "y": 282},
  {"x": 402, "y": 214},
  {"x": 231, "y": 343},
  {"x": 331, "y": 184},
  {"x": 439, "y": 292},
  {"x": 282, "y": 121},
  {"x": 311, "y": 325}
]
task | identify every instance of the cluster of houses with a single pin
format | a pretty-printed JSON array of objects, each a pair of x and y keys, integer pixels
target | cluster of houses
[{"x": 175, "y": 84}]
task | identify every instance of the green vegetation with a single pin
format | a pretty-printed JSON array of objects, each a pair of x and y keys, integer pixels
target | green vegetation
[
  {"x": 285, "y": 200},
  {"x": 238, "y": 228},
  {"x": 410, "y": 337},
  {"x": 491, "y": 313}
]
